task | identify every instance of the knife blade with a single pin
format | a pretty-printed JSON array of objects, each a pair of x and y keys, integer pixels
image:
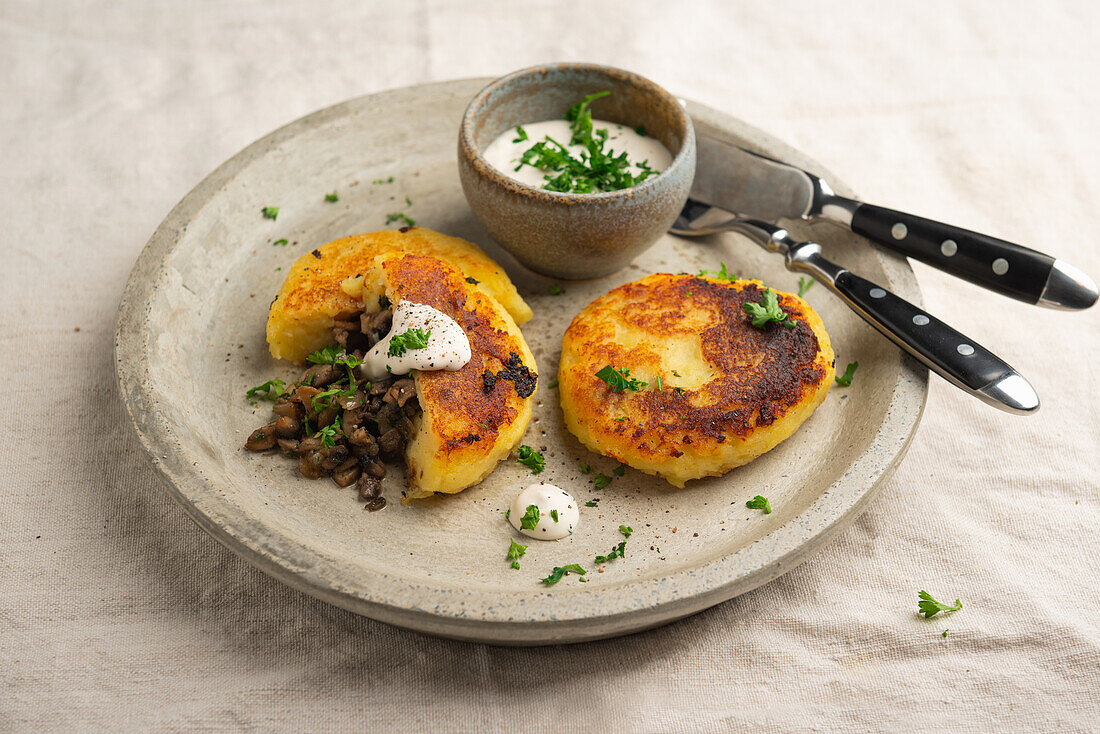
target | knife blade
[{"x": 748, "y": 184}]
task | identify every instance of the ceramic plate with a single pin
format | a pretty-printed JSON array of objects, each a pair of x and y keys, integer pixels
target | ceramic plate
[{"x": 191, "y": 340}]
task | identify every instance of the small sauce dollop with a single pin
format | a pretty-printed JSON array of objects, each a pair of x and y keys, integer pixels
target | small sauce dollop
[
  {"x": 549, "y": 499},
  {"x": 448, "y": 347},
  {"x": 505, "y": 152}
]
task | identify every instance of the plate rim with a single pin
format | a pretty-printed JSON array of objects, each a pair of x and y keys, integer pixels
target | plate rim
[{"x": 459, "y": 621}]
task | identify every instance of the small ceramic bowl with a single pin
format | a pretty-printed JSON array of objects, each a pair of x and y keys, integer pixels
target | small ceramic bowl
[{"x": 565, "y": 235}]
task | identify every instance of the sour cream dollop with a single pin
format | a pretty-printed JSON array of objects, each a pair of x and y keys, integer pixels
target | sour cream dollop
[
  {"x": 448, "y": 347},
  {"x": 505, "y": 151},
  {"x": 548, "y": 498}
]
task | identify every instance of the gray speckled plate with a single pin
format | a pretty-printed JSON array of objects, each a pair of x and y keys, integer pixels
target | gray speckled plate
[{"x": 191, "y": 339}]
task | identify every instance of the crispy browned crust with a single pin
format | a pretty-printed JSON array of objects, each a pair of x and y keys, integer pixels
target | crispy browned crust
[
  {"x": 758, "y": 374},
  {"x": 467, "y": 417}
]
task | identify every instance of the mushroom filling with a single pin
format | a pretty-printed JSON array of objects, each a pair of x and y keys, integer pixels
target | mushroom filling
[{"x": 336, "y": 423}]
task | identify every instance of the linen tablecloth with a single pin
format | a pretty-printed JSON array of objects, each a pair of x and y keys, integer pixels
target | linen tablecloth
[{"x": 118, "y": 613}]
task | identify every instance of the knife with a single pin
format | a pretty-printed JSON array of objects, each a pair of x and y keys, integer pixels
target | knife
[{"x": 752, "y": 185}]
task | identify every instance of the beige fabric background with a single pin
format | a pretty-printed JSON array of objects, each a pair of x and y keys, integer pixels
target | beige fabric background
[{"x": 117, "y": 613}]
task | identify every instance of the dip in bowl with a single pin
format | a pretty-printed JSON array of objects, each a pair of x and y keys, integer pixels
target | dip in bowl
[{"x": 558, "y": 217}]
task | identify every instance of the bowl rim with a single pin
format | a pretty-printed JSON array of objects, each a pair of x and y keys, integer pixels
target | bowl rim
[{"x": 469, "y": 151}]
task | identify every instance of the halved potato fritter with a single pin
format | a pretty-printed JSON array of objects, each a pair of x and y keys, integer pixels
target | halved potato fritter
[
  {"x": 473, "y": 417},
  {"x": 322, "y": 284},
  {"x": 728, "y": 391}
]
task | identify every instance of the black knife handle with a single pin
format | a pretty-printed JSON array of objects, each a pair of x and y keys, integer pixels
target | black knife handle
[
  {"x": 1000, "y": 266},
  {"x": 942, "y": 349}
]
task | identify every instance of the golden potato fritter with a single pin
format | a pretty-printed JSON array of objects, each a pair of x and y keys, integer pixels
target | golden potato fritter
[
  {"x": 473, "y": 417},
  {"x": 323, "y": 284},
  {"x": 727, "y": 392}
]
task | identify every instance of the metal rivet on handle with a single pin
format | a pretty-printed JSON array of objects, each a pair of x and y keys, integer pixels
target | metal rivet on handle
[
  {"x": 899, "y": 231},
  {"x": 920, "y": 320},
  {"x": 965, "y": 350},
  {"x": 949, "y": 248},
  {"x": 877, "y": 293},
  {"x": 1000, "y": 266}
]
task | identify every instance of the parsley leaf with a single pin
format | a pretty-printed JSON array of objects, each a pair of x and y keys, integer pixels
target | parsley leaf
[
  {"x": 410, "y": 339},
  {"x": 530, "y": 518},
  {"x": 760, "y": 502},
  {"x": 555, "y": 289},
  {"x": 325, "y": 355},
  {"x": 660, "y": 385},
  {"x": 398, "y": 217},
  {"x": 619, "y": 380},
  {"x": 384, "y": 302},
  {"x": 383, "y": 180},
  {"x": 585, "y": 468},
  {"x": 626, "y": 530},
  {"x": 521, "y": 134},
  {"x": 472, "y": 281},
  {"x": 929, "y": 607},
  {"x": 721, "y": 274},
  {"x": 619, "y": 470},
  {"x": 270, "y": 212},
  {"x": 640, "y": 129},
  {"x": 515, "y": 550},
  {"x": 559, "y": 571},
  {"x": 845, "y": 380},
  {"x": 618, "y": 551},
  {"x": 278, "y": 243},
  {"x": 531, "y": 458},
  {"x": 805, "y": 284},
  {"x": 601, "y": 481},
  {"x": 332, "y": 197},
  {"x": 591, "y": 503},
  {"x": 767, "y": 310},
  {"x": 328, "y": 433},
  {"x": 553, "y": 383},
  {"x": 554, "y": 515},
  {"x": 270, "y": 390}
]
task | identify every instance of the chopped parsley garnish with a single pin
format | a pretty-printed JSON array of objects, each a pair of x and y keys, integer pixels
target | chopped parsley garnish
[
  {"x": 521, "y": 134},
  {"x": 845, "y": 380},
  {"x": 383, "y": 180},
  {"x": 554, "y": 515},
  {"x": 553, "y": 383},
  {"x": 591, "y": 503},
  {"x": 278, "y": 243},
  {"x": 515, "y": 550},
  {"x": 619, "y": 380},
  {"x": 270, "y": 390},
  {"x": 585, "y": 468},
  {"x": 332, "y": 197},
  {"x": 618, "y": 551},
  {"x": 944, "y": 633},
  {"x": 768, "y": 310},
  {"x": 270, "y": 212},
  {"x": 720, "y": 274},
  {"x": 325, "y": 355},
  {"x": 759, "y": 502},
  {"x": 620, "y": 419},
  {"x": 531, "y": 458},
  {"x": 619, "y": 470},
  {"x": 626, "y": 530},
  {"x": 472, "y": 281},
  {"x": 929, "y": 607},
  {"x": 804, "y": 284},
  {"x": 640, "y": 129},
  {"x": 555, "y": 289},
  {"x": 559, "y": 571},
  {"x": 400, "y": 217},
  {"x": 601, "y": 481},
  {"x": 593, "y": 169},
  {"x": 410, "y": 339},
  {"x": 384, "y": 302},
  {"x": 328, "y": 434},
  {"x": 660, "y": 385},
  {"x": 530, "y": 518}
]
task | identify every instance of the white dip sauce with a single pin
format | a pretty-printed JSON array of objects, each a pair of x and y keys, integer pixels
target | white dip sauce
[
  {"x": 504, "y": 153},
  {"x": 547, "y": 498},
  {"x": 448, "y": 346}
]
